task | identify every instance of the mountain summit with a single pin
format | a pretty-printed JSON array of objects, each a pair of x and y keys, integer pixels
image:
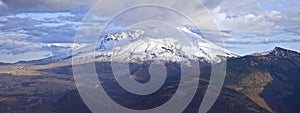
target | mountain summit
[
  {"x": 281, "y": 52},
  {"x": 140, "y": 45},
  {"x": 278, "y": 52}
]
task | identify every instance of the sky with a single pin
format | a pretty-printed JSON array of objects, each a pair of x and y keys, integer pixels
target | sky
[{"x": 35, "y": 29}]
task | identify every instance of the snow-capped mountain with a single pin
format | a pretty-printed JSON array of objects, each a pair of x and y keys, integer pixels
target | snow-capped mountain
[{"x": 138, "y": 46}]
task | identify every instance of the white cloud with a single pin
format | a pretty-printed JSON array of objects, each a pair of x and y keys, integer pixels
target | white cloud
[
  {"x": 61, "y": 4},
  {"x": 263, "y": 21},
  {"x": 264, "y": 41},
  {"x": 262, "y": 24},
  {"x": 1, "y": 3},
  {"x": 3, "y": 6},
  {"x": 265, "y": 18},
  {"x": 212, "y": 3},
  {"x": 18, "y": 6}
]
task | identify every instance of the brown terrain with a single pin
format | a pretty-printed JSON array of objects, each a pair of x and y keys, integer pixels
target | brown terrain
[{"x": 254, "y": 84}]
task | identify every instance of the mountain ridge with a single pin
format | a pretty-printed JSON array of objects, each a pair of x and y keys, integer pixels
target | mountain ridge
[
  {"x": 268, "y": 83},
  {"x": 260, "y": 76},
  {"x": 277, "y": 51}
]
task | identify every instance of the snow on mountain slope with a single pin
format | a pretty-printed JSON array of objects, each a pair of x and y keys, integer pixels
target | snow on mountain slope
[{"x": 135, "y": 46}]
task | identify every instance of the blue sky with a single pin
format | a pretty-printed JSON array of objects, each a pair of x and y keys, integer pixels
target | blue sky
[{"x": 31, "y": 29}]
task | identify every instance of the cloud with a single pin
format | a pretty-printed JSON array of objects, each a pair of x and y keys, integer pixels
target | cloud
[
  {"x": 258, "y": 21},
  {"x": 2, "y": 3},
  {"x": 261, "y": 24},
  {"x": 17, "y": 6},
  {"x": 3, "y": 6},
  {"x": 256, "y": 17},
  {"x": 33, "y": 22},
  {"x": 16, "y": 44},
  {"x": 61, "y": 4},
  {"x": 211, "y": 4},
  {"x": 264, "y": 41},
  {"x": 28, "y": 33},
  {"x": 43, "y": 27}
]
